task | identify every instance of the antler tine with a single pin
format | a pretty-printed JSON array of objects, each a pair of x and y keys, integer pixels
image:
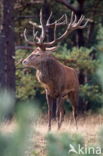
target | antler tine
[
  {"x": 42, "y": 37},
  {"x": 66, "y": 19},
  {"x": 52, "y": 25},
  {"x": 25, "y": 35},
  {"x": 83, "y": 26},
  {"x": 35, "y": 24},
  {"x": 71, "y": 20},
  {"x": 29, "y": 42},
  {"x": 48, "y": 21},
  {"x": 55, "y": 30},
  {"x": 61, "y": 18},
  {"x": 75, "y": 19},
  {"x": 78, "y": 24},
  {"x": 35, "y": 34},
  {"x": 80, "y": 20},
  {"x": 73, "y": 25},
  {"x": 64, "y": 22}
]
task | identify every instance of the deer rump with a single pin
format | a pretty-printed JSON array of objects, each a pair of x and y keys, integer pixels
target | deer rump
[{"x": 57, "y": 79}]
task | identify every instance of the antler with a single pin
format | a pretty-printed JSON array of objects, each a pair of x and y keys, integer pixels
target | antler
[
  {"x": 61, "y": 21},
  {"x": 73, "y": 25},
  {"x": 38, "y": 41},
  {"x": 42, "y": 37}
]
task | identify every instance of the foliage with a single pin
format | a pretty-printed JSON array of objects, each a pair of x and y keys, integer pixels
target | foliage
[
  {"x": 6, "y": 103},
  {"x": 78, "y": 58},
  {"x": 100, "y": 37},
  {"x": 59, "y": 145},
  {"x": 88, "y": 92},
  {"x": 16, "y": 143},
  {"x": 25, "y": 78},
  {"x": 100, "y": 71},
  {"x": 62, "y": 144}
]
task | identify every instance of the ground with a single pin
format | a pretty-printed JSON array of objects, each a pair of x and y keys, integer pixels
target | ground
[{"x": 88, "y": 127}]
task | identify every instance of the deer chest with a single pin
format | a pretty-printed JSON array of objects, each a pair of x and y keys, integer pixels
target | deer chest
[
  {"x": 40, "y": 77},
  {"x": 45, "y": 82}
]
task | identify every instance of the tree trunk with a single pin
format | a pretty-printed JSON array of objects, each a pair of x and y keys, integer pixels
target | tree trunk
[
  {"x": 79, "y": 36},
  {"x": 90, "y": 33},
  {"x": 2, "y": 64},
  {"x": 46, "y": 12},
  {"x": 9, "y": 43}
]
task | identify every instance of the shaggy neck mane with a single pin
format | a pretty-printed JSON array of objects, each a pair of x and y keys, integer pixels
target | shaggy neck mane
[{"x": 50, "y": 67}]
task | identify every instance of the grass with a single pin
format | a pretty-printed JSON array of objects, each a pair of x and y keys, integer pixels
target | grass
[{"x": 88, "y": 127}]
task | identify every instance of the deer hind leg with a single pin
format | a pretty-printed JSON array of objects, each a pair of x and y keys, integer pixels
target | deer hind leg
[
  {"x": 54, "y": 109},
  {"x": 74, "y": 101},
  {"x": 61, "y": 117},
  {"x": 60, "y": 112}
]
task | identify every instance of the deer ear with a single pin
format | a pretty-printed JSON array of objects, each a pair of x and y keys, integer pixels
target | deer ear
[{"x": 52, "y": 49}]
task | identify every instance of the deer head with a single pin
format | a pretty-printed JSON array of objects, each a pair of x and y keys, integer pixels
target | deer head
[{"x": 44, "y": 48}]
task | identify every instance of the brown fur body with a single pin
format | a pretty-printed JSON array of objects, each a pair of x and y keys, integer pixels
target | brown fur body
[
  {"x": 59, "y": 81},
  {"x": 56, "y": 78}
]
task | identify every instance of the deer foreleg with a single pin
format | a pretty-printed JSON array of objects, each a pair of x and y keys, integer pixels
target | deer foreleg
[{"x": 50, "y": 107}]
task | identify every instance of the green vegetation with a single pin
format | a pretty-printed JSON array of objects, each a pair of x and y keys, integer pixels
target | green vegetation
[{"x": 17, "y": 142}]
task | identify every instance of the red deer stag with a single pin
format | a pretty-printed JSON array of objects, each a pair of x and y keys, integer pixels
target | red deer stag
[{"x": 58, "y": 80}]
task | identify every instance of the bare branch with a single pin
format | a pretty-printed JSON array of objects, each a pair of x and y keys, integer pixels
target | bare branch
[
  {"x": 67, "y": 4},
  {"x": 23, "y": 47}
]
